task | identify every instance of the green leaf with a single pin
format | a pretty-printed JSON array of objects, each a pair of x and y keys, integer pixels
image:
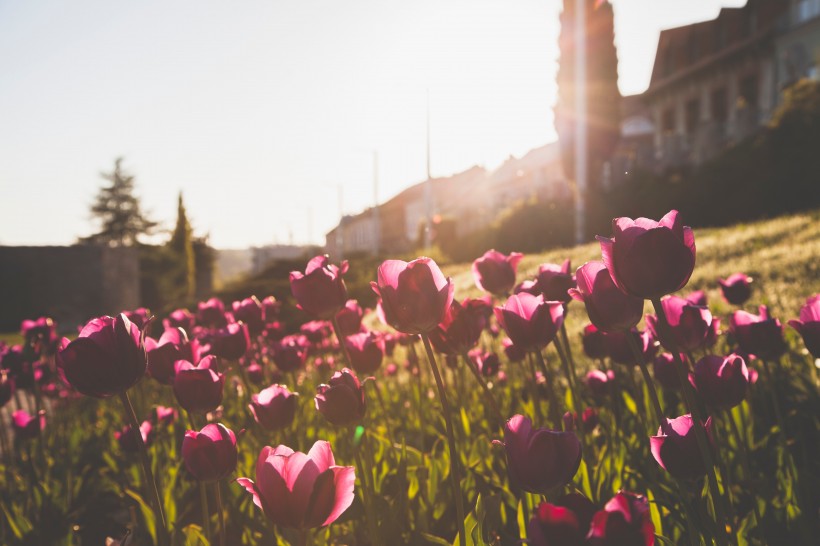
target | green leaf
[
  {"x": 147, "y": 512},
  {"x": 522, "y": 521}
]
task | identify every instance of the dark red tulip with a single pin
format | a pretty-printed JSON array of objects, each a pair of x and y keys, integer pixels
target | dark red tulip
[
  {"x": 230, "y": 342},
  {"x": 274, "y": 407},
  {"x": 250, "y": 312},
  {"x": 676, "y": 448},
  {"x": 808, "y": 326},
  {"x": 554, "y": 281},
  {"x": 609, "y": 309},
  {"x": 290, "y": 354},
  {"x": 736, "y": 288},
  {"x": 349, "y": 318},
  {"x": 301, "y": 491},
  {"x": 760, "y": 335},
  {"x": 600, "y": 384},
  {"x": 495, "y": 272},
  {"x": 649, "y": 259},
  {"x": 690, "y": 324},
  {"x": 173, "y": 345},
  {"x": 539, "y": 460},
  {"x": 341, "y": 400},
  {"x": 530, "y": 322},
  {"x": 721, "y": 382},
  {"x": 624, "y": 521},
  {"x": 26, "y": 426},
  {"x": 619, "y": 350},
  {"x": 320, "y": 291},
  {"x": 414, "y": 295},
  {"x": 665, "y": 373},
  {"x": 593, "y": 342},
  {"x": 210, "y": 454},
  {"x": 366, "y": 351},
  {"x": 180, "y": 318},
  {"x": 211, "y": 313},
  {"x": 128, "y": 441},
  {"x": 198, "y": 388},
  {"x": 460, "y": 329},
  {"x": 106, "y": 359}
]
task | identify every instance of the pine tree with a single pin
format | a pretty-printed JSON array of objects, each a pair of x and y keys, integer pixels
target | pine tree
[
  {"x": 182, "y": 246},
  {"x": 118, "y": 211},
  {"x": 602, "y": 94}
]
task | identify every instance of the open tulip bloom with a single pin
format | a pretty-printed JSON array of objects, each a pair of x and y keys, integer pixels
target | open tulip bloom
[
  {"x": 495, "y": 272},
  {"x": 301, "y": 491},
  {"x": 210, "y": 454},
  {"x": 320, "y": 291},
  {"x": 529, "y": 321},
  {"x": 808, "y": 326}
]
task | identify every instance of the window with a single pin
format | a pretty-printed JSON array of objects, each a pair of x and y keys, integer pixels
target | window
[
  {"x": 720, "y": 106},
  {"x": 749, "y": 90},
  {"x": 692, "y": 115}
]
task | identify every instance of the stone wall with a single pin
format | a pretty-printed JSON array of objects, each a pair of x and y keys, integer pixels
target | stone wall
[{"x": 70, "y": 284}]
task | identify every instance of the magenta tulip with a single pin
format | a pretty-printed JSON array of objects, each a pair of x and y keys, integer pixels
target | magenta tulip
[
  {"x": 341, "y": 400},
  {"x": 270, "y": 309},
  {"x": 460, "y": 329},
  {"x": 301, "y": 491},
  {"x": 173, "y": 345},
  {"x": 274, "y": 407},
  {"x": 198, "y": 388},
  {"x": 665, "y": 373},
  {"x": 106, "y": 359},
  {"x": 164, "y": 415},
  {"x": 539, "y": 460},
  {"x": 649, "y": 259},
  {"x": 565, "y": 523},
  {"x": 513, "y": 352},
  {"x": 230, "y": 342},
  {"x": 609, "y": 309},
  {"x": 689, "y": 324},
  {"x": 554, "y": 281},
  {"x": 414, "y": 295},
  {"x": 366, "y": 351},
  {"x": 26, "y": 426},
  {"x": 495, "y": 273},
  {"x": 721, "y": 382},
  {"x": 619, "y": 350},
  {"x": 349, "y": 318},
  {"x": 138, "y": 317},
  {"x": 530, "y": 322},
  {"x": 251, "y": 313},
  {"x": 600, "y": 384},
  {"x": 593, "y": 342},
  {"x": 211, "y": 313},
  {"x": 320, "y": 291},
  {"x": 180, "y": 318},
  {"x": 128, "y": 441},
  {"x": 290, "y": 354},
  {"x": 210, "y": 454},
  {"x": 624, "y": 521},
  {"x": 760, "y": 335},
  {"x": 808, "y": 326},
  {"x": 676, "y": 448},
  {"x": 736, "y": 288},
  {"x": 316, "y": 331}
]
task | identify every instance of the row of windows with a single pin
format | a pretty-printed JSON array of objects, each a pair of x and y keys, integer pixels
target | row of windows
[{"x": 719, "y": 106}]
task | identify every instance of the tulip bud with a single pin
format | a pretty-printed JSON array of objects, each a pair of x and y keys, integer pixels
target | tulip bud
[
  {"x": 250, "y": 312},
  {"x": 290, "y": 354},
  {"x": 664, "y": 371},
  {"x": 624, "y": 521},
  {"x": 539, "y": 460},
  {"x": 366, "y": 351},
  {"x": 210, "y": 454},
  {"x": 620, "y": 351},
  {"x": 211, "y": 313},
  {"x": 530, "y": 322},
  {"x": 460, "y": 329},
  {"x": 593, "y": 342},
  {"x": 676, "y": 448},
  {"x": 495, "y": 273},
  {"x": 26, "y": 426},
  {"x": 173, "y": 345},
  {"x": 180, "y": 318},
  {"x": 106, "y": 359},
  {"x": 341, "y": 400},
  {"x": 198, "y": 388},
  {"x": 349, "y": 318},
  {"x": 690, "y": 325},
  {"x": 555, "y": 281},
  {"x": 600, "y": 384},
  {"x": 230, "y": 342},
  {"x": 565, "y": 523},
  {"x": 415, "y": 296},
  {"x": 649, "y": 259},
  {"x": 609, "y": 308},
  {"x": 759, "y": 335},
  {"x": 721, "y": 382},
  {"x": 736, "y": 288},
  {"x": 128, "y": 440},
  {"x": 274, "y": 407},
  {"x": 320, "y": 291}
]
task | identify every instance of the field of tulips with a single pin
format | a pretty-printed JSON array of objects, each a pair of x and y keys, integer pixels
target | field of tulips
[{"x": 612, "y": 404}]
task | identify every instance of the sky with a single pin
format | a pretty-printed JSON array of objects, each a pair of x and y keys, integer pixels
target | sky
[{"x": 259, "y": 111}]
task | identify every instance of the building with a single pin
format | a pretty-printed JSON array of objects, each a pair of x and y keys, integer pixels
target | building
[
  {"x": 714, "y": 83},
  {"x": 797, "y": 45}
]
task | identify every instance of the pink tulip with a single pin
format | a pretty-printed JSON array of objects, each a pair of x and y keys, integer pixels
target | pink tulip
[
  {"x": 251, "y": 313},
  {"x": 127, "y": 440},
  {"x": 565, "y": 523},
  {"x": 624, "y": 521},
  {"x": 290, "y": 354},
  {"x": 593, "y": 342},
  {"x": 301, "y": 491},
  {"x": 210, "y": 454},
  {"x": 26, "y": 426},
  {"x": 609, "y": 308},
  {"x": 230, "y": 342},
  {"x": 349, "y": 318},
  {"x": 173, "y": 345},
  {"x": 274, "y": 407},
  {"x": 808, "y": 326},
  {"x": 554, "y": 281},
  {"x": 320, "y": 291},
  {"x": 760, "y": 335},
  {"x": 414, "y": 295},
  {"x": 619, "y": 350},
  {"x": 460, "y": 329},
  {"x": 600, "y": 384},
  {"x": 721, "y": 382},
  {"x": 198, "y": 388},
  {"x": 342, "y": 399},
  {"x": 495, "y": 272},
  {"x": 529, "y": 321},
  {"x": 106, "y": 359},
  {"x": 211, "y": 313},
  {"x": 736, "y": 288},
  {"x": 689, "y": 324},
  {"x": 366, "y": 351},
  {"x": 676, "y": 448},
  {"x": 649, "y": 259},
  {"x": 180, "y": 318}
]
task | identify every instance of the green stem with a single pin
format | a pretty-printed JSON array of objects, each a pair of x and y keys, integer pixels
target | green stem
[
  {"x": 368, "y": 494},
  {"x": 159, "y": 514},
  {"x": 532, "y": 383},
  {"x": 700, "y": 430},
  {"x": 488, "y": 395},
  {"x": 744, "y": 459},
  {"x": 555, "y": 409},
  {"x": 220, "y": 512},
  {"x": 451, "y": 440},
  {"x": 341, "y": 340},
  {"x": 206, "y": 516},
  {"x": 650, "y": 384}
]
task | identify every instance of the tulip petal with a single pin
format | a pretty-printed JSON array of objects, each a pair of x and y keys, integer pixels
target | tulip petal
[{"x": 344, "y": 478}]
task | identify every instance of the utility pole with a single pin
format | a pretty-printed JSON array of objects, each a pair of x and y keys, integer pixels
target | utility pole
[
  {"x": 428, "y": 187},
  {"x": 580, "y": 121}
]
